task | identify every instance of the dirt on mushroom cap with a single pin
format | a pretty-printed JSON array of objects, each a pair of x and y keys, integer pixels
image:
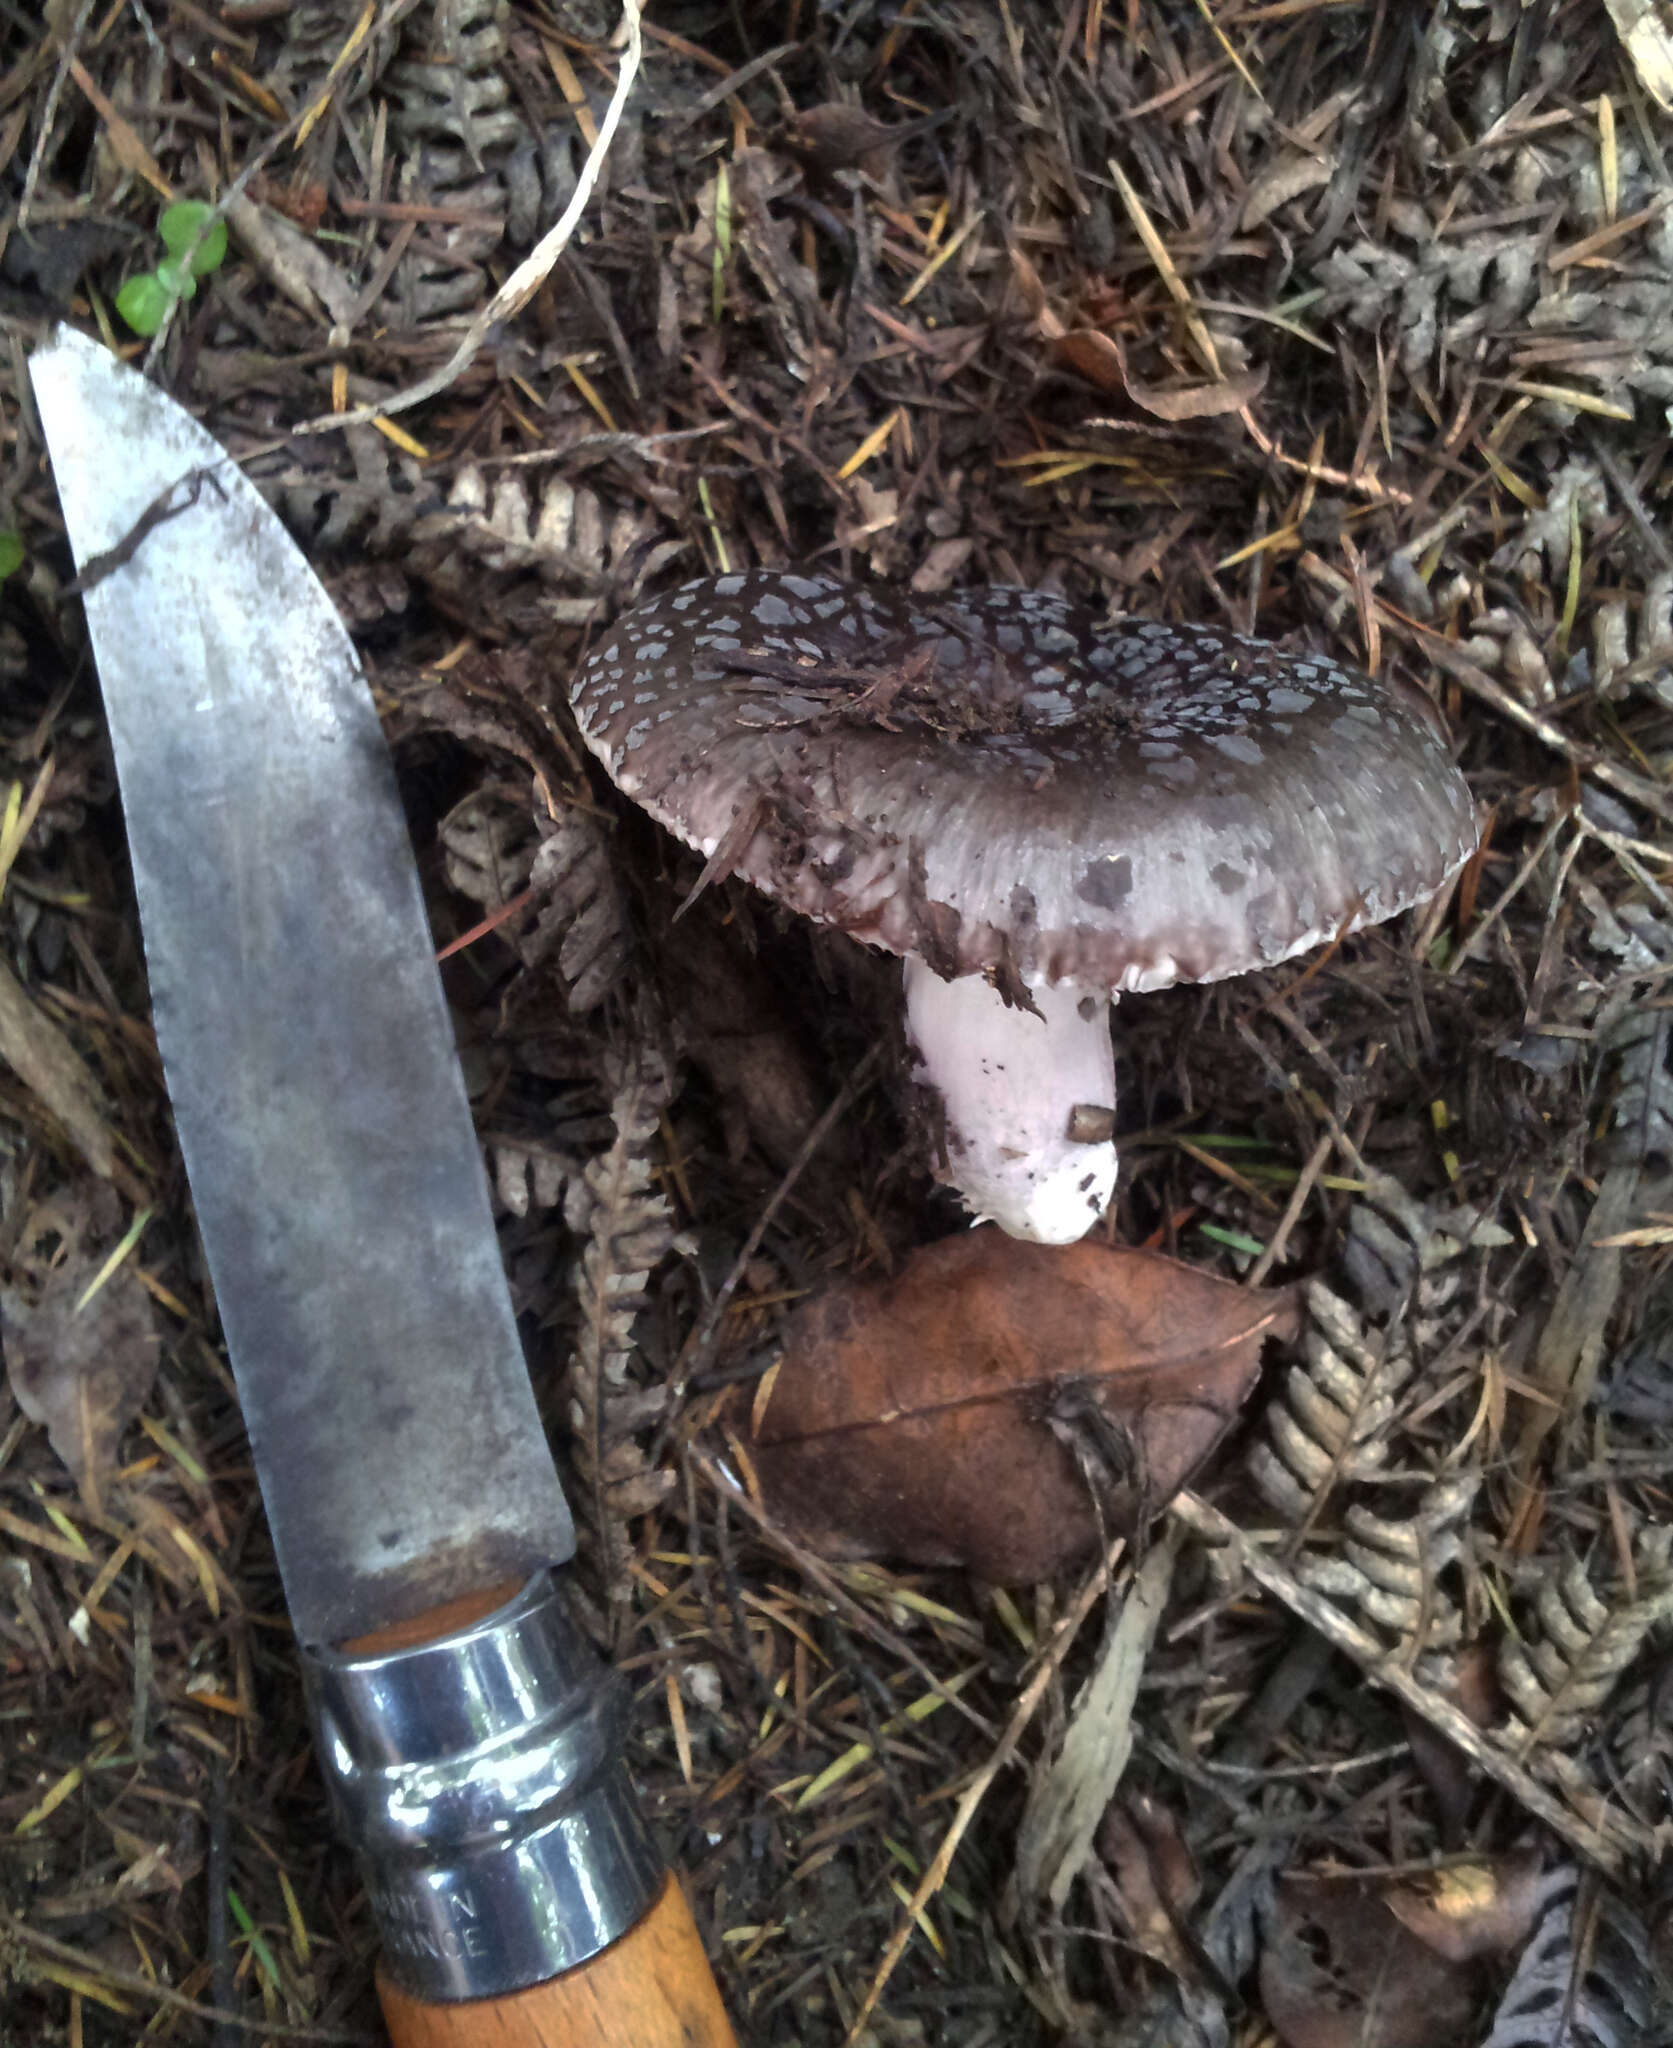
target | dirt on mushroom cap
[{"x": 1003, "y": 782}]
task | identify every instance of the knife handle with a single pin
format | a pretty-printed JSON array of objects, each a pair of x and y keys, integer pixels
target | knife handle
[
  {"x": 651, "y": 1989},
  {"x": 473, "y": 1757}
]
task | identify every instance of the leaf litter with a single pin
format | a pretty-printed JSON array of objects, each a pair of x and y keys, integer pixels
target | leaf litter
[{"x": 1343, "y": 328}]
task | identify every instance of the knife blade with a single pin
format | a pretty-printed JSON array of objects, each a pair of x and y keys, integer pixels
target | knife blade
[{"x": 470, "y": 1742}]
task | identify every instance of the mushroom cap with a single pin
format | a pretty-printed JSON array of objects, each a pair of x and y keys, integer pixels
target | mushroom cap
[{"x": 1002, "y": 782}]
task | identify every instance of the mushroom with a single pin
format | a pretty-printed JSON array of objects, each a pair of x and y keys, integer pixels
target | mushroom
[{"x": 1037, "y": 808}]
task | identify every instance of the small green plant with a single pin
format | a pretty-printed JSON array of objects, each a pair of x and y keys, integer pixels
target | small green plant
[
  {"x": 11, "y": 553},
  {"x": 723, "y": 239},
  {"x": 146, "y": 301}
]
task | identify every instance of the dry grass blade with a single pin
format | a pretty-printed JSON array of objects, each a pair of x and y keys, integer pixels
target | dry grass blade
[
  {"x": 970, "y": 1802},
  {"x": 529, "y": 275}
]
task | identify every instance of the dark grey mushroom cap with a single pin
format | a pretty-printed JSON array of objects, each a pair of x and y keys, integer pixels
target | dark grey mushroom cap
[{"x": 1001, "y": 781}]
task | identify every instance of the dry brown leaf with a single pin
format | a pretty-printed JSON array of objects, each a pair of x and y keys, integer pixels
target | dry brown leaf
[
  {"x": 990, "y": 1402},
  {"x": 1472, "y": 1909},
  {"x": 1199, "y": 401},
  {"x": 1643, "y": 27},
  {"x": 80, "y": 1364},
  {"x": 1473, "y": 1682},
  {"x": 1100, "y": 359},
  {"x": 44, "y": 1060},
  {"x": 1093, "y": 356},
  {"x": 1339, "y": 1971},
  {"x": 1156, "y": 1881}
]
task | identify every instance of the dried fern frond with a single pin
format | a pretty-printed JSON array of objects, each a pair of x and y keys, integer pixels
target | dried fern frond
[
  {"x": 495, "y": 847},
  {"x": 1567, "y": 1664},
  {"x": 315, "y": 38},
  {"x": 629, "y": 1229},
  {"x": 583, "y": 917},
  {"x": 1642, "y": 1045},
  {"x": 514, "y": 526},
  {"x": 1403, "y": 1257},
  {"x": 451, "y": 81},
  {"x": 1583, "y": 1981},
  {"x": 1330, "y": 1425},
  {"x": 510, "y": 521},
  {"x": 1641, "y": 1747},
  {"x": 529, "y": 1177},
  {"x": 374, "y": 514},
  {"x": 1390, "y": 1569},
  {"x": 488, "y": 845}
]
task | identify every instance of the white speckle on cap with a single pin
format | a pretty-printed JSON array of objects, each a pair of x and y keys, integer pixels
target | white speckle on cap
[{"x": 1237, "y": 746}]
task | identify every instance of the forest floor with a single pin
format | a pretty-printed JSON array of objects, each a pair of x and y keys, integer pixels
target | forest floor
[{"x": 1350, "y": 326}]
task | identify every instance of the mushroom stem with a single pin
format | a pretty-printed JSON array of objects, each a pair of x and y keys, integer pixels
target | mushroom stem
[{"x": 1011, "y": 1083}]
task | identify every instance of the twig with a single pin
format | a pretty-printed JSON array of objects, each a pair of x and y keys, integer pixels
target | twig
[
  {"x": 696, "y": 1347},
  {"x": 1338, "y": 479},
  {"x": 1607, "y": 1850},
  {"x": 529, "y": 275},
  {"x": 813, "y": 1569},
  {"x": 1627, "y": 492},
  {"x": 977, "y": 1790},
  {"x": 1638, "y": 789},
  {"x": 49, "y": 113},
  {"x": 136, "y": 1986},
  {"x": 222, "y": 1967},
  {"x": 1278, "y": 1243},
  {"x": 648, "y": 447}
]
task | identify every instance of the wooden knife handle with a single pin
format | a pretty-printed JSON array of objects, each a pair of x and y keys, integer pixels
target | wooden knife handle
[{"x": 651, "y": 1989}]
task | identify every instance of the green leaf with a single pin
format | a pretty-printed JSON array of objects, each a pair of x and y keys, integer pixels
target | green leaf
[
  {"x": 1234, "y": 1240},
  {"x": 144, "y": 302},
  {"x": 180, "y": 227},
  {"x": 723, "y": 239},
  {"x": 174, "y": 277},
  {"x": 11, "y": 554}
]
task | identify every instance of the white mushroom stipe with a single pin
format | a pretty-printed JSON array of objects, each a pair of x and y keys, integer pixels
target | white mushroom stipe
[{"x": 1010, "y": 1083}]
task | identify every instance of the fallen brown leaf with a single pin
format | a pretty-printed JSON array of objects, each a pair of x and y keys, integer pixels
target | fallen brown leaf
[
  {"x": 1339, "y": 1971},
  {"x": 1156, "y": 1882},
  {"x": 44, "y": 1060},
  {"x": 80, "y": 1362},
  {"x": 1001, "y": 1405},
  {"x": 1473, "y": 1909},
  {"x": 1448, "y": 1772},
  {"x": 1101, "y": 360}
]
